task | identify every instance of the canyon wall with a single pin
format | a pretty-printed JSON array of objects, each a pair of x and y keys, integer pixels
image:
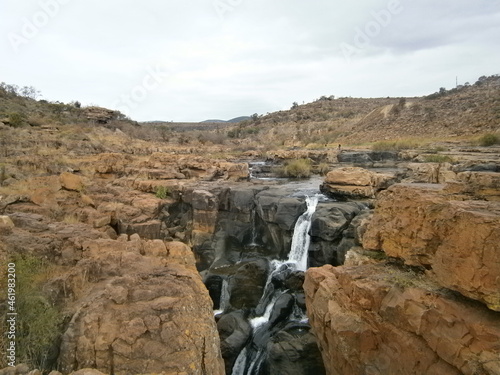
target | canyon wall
[{"x": 421, "y": 296}]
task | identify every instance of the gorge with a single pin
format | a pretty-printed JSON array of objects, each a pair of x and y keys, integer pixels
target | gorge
[{"x": 145, "y": 257}]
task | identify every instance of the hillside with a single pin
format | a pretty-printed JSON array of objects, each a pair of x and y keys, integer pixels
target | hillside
[
  {"x": 462, "y": 114},
  {"x": 465, "y": 111}
]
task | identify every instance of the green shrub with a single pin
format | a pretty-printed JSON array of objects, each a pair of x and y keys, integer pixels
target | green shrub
[
  {"x": 16, "y": 119},
  {"x": 489, "y": 140},
  {"x": 394, "y": 145},
  {"x": 161, "y": 192},
  {"x": 438, "y": 159},
  {"x": 3, "y": 174},
  {"x": 39, "y": 324},
  {"x": 297, "y": 168}
]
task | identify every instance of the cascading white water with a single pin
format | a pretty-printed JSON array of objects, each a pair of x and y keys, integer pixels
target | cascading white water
[
  {"x": 240, "y": 364},
  {"x": 253, "y": 218},
  {"x": 301, "y": 238},
  {"x": 261, "y": 320},
  {"x": 297, "y": 260},
  {"x": 224, "y": 297}
]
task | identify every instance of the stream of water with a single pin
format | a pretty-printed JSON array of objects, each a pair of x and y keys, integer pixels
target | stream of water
[
  {"x": 251, "y": 357},
  {"x": 224, "y": 297}
]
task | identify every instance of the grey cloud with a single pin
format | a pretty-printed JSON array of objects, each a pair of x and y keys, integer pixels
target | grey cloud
[{"x": 259, "y": 56}]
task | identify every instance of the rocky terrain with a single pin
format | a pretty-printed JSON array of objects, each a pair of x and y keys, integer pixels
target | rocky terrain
[
  {"x": 420, "y": 294},
  {"x": 127, "y": 238}
]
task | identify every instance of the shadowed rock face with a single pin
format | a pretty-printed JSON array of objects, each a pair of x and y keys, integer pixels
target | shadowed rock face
[
  {"x": 283, "y": 352},
  {"x": 247, "y": 283},
  {"x": 234, "y": 331},
  {"x": 332, "y": 231}
]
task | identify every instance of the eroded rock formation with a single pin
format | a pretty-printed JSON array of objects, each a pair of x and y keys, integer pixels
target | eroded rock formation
[
  {"x": 144, "y": 312},
  {"x": 458, "y": 241},
  {"x": 374, "y": 319},
  {"x": 134, "y": 306},
  {"x": 355, "y": 183},
  {"x": 421, "y": 296}
]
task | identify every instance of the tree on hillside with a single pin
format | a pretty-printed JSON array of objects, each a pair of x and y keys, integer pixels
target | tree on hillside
[
  {"x": 30, "y": 92},
  {"x": 26, "y": 91}
]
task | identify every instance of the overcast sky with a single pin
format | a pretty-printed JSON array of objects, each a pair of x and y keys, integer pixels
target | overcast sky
[{"x": 192, "y": 60}]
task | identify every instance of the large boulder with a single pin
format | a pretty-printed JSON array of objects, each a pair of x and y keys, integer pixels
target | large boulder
[
  {"x": 355, "y": 183},
  {"x": 247, "y": 284},
  {"x": 294, "y": 351},
  {"x": 432, "y": 173},
  {"x": 140, "y": 313},
  {"x": 458, "y": 241},
  {"x": 234, "y": 171},
  {"x": 112, "y": 163},
  {"x": 234, "y": 332},
  {"x": 376, "y": 319},
  {"x": 277, "y": 207},
  {"x": 332, "y": 224}
]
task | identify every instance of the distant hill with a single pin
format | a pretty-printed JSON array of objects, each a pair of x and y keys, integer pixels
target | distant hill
[
  {"x": 239, "y": 119},
  {"x": 232, "y": 121},
  {"x": 212, "y": 121}
]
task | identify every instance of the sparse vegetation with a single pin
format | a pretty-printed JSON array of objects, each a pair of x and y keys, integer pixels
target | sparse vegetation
[
  {"x": 39, "y": 322},
  {"x": 489, "y": 140},
  {"x": 161, "y": 192},
  {"x": 296, "y": 168},
  {"x": 323, "y": 168},
  {"x": 71, "y": 219},
  {"x": 438, "y": 159},
  {"x": 395, "y": 145},
  {"x": 16, "y": 120}
]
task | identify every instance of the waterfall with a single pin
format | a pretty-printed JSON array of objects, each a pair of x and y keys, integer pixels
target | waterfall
[
  {"x": 301, "y": 238},
  {"x": 240, "y": 364},
  {"x": 224, "y": 297},
  {"x": 261, "y": 320},
  {"x": 250, "y": 358},
  {"x": 253, "y": 219}
]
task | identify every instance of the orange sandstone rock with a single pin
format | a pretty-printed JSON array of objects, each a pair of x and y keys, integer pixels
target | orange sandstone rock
[
  {"x": 374, "y": 319},
  {"x": 458, "y": 241}
]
